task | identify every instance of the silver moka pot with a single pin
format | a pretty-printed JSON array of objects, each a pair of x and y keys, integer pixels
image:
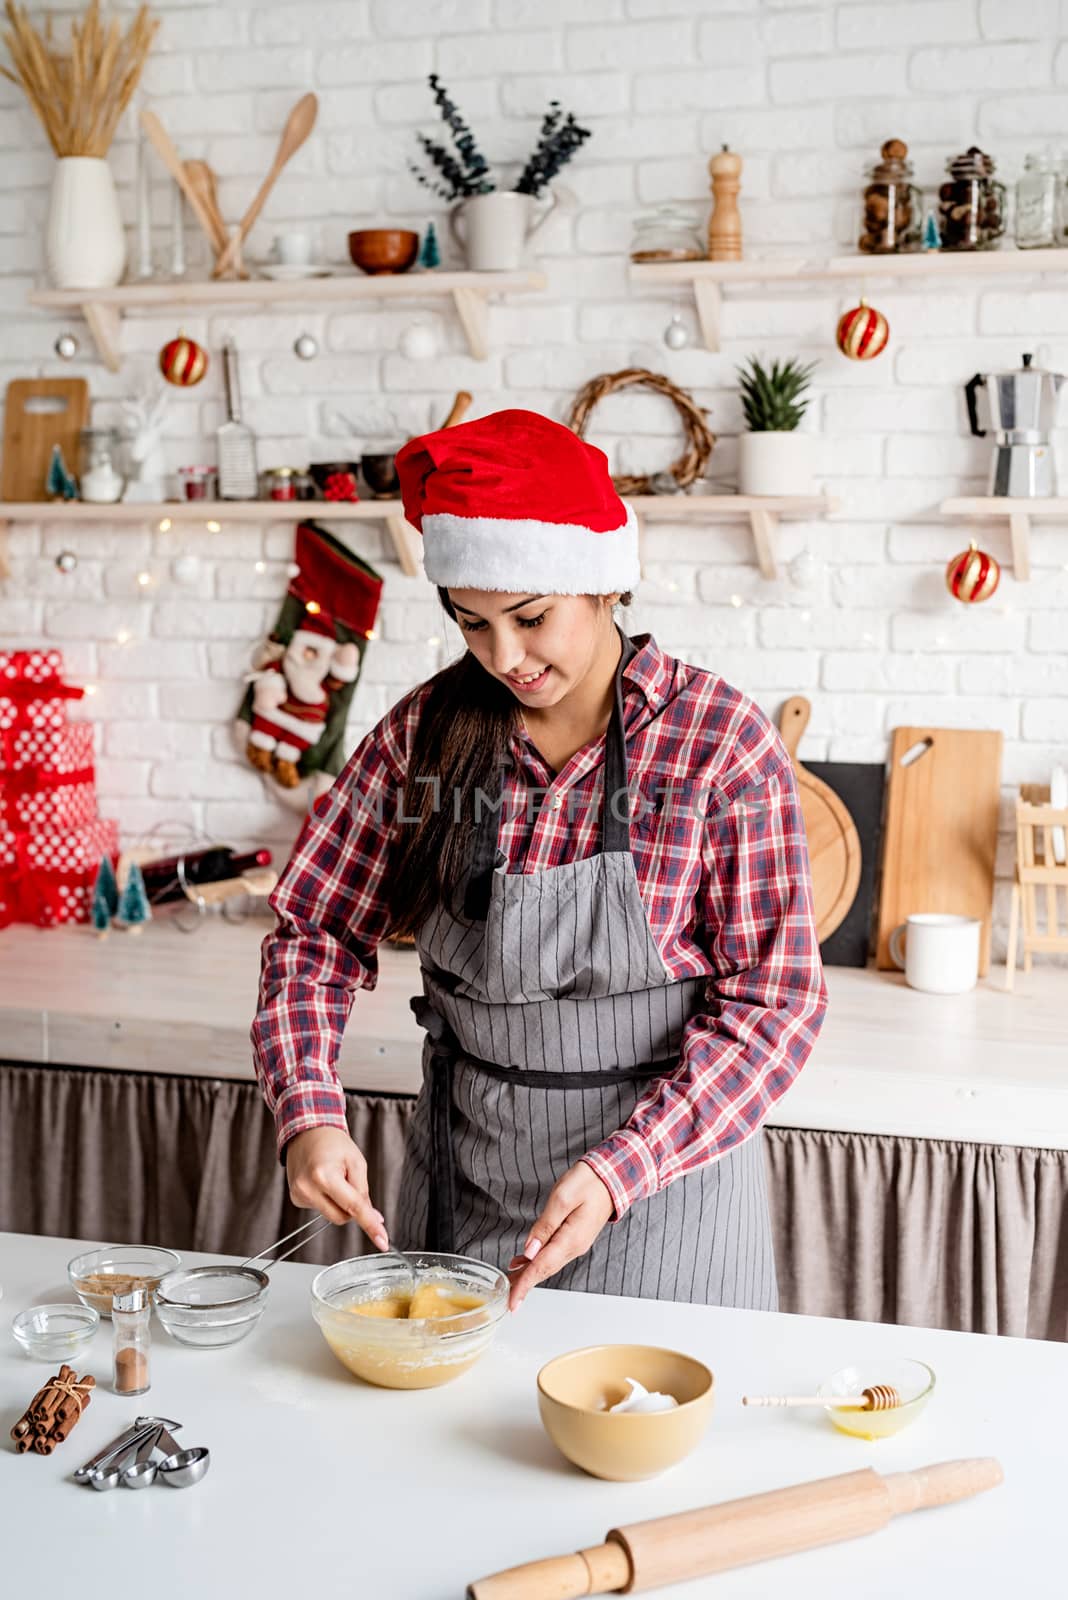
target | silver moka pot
[{"x": 1022, "y": 405}]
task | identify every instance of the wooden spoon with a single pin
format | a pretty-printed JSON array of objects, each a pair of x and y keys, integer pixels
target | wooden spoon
[
  {"x": 161, "y": 142},
  {"x": 202, "y": 178},
  {"x": 459, "y": 409},
  {"x": 299, "y": 124}
]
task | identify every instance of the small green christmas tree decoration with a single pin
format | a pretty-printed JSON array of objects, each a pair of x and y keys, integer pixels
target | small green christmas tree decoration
[
  {"x": 932, "y": 239},
  {"x": 134, "y": 909},
  {"x": 105, "y": 897},
  {"x": 430, "y": 254},
  {"x": 59, "y": 484}
]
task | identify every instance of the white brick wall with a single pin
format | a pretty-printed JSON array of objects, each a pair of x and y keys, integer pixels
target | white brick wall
[{"x": 806, "y": 91}]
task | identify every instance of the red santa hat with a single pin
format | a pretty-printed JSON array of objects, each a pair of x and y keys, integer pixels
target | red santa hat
[{"x": 516, "y": 502}]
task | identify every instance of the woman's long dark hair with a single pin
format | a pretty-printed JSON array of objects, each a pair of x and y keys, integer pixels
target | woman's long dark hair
[{"x": 462, "y": 736}]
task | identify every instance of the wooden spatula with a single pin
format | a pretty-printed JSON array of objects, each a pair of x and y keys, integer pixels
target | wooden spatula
[
  {"x": 161, "y": 142},
  {"x": 300, "y": 123},
  {"x": 202, "y": 179}
]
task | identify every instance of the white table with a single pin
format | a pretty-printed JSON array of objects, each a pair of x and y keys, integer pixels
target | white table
[{"x": 321, "y": 1485}]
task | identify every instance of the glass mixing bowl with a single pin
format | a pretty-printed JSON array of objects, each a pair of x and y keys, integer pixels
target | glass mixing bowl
[
  {"x": 208, "y": 1307},
  {"x": 98, "y": 1275},
  {"x": 913, "y": 1380},
  {"x": 55, "y": 1332},
  {"x": 391, "y": 1349}
]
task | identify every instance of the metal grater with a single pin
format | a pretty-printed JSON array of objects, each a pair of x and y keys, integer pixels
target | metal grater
[{"x": 238, "y": 477}]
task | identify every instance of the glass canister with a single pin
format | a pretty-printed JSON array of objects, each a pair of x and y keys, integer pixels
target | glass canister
[
  {"x": 893, "y": 205},
  {"x": 99, "y": 479},
  {"x": 971, "y": 203},
  {"x": 667, "y": 233},
  {"x": 1038, "y": 202}
]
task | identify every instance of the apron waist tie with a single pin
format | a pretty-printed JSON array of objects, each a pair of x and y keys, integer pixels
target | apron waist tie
[{"x": 445, "y": 1053}]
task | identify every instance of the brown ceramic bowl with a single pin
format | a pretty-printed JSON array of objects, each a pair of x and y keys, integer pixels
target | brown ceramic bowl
[
  {"x": 380, "y": 474},
  {"x": 574, "y": 1391},
  {"x": 383, "y": 249}
]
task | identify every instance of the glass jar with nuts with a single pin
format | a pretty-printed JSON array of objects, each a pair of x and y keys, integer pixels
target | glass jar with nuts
[
  {"x": 893, "y": 206},
  {"x": 971, "y": 203}
]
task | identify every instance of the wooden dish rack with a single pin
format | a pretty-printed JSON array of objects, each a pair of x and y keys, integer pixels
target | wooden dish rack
[{"x": 1037, "y": 867}]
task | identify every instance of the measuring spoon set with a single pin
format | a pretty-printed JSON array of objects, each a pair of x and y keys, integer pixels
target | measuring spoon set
[{"x": 127, "y": 1460}]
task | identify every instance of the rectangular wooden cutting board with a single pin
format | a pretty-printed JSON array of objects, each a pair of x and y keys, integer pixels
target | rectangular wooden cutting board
[
  {"x": 941, "y": 831},
  {"x": 38, "y": 414}
]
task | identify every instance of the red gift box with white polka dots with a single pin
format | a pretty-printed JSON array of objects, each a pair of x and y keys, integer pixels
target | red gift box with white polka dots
[{"x": 47, "y": 878}]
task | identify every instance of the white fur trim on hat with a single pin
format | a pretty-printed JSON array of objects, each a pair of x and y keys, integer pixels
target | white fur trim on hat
[{"x": 513, "y": 555}]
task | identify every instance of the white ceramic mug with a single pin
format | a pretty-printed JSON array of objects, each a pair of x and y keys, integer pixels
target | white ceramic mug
[
  {"x": 939, "y": 952},
  {"x": 292, "y": 249},
  {"x": 493, "y": 229}
]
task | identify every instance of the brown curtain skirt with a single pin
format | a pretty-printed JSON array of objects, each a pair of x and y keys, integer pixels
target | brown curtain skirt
[{"x": 882, "y": 1229}]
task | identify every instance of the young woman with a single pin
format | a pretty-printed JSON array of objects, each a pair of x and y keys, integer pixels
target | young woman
[{"x": 600, "y": 853}]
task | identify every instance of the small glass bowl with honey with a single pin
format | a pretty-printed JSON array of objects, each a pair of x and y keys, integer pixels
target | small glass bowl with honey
[
  {"x": 914, "y": 1382},
  {"x": 409, "y": 1320},
  {"x": 97, "y": 1276}
]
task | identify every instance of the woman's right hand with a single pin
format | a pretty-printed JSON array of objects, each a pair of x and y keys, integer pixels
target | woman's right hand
[{"x": 327, "y": 1172}]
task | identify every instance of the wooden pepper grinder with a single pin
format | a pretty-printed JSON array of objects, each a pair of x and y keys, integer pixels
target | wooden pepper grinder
[{"x": 725, "y": 223}]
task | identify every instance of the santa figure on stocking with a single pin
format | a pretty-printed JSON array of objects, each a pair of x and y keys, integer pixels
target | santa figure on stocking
[{"x": 291, "y": 696}]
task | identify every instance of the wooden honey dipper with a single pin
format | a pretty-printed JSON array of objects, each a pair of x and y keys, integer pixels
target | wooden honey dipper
[{"x": 879, "y": 1397}]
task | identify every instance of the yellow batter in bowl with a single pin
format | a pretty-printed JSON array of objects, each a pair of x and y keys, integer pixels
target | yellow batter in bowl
[{"x": 410, "y": 1321}]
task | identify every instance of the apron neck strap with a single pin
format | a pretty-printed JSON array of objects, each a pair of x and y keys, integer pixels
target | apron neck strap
[{"x": 615, "y": 828}]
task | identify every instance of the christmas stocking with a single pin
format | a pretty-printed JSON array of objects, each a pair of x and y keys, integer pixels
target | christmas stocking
[{"x": 305, "y": 673}]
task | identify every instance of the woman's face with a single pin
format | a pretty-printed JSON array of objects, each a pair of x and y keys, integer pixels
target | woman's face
[{"x": 541, "y": 646}]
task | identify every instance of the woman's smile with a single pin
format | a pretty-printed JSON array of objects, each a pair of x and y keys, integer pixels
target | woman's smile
[{"x": 526, "y": 683}]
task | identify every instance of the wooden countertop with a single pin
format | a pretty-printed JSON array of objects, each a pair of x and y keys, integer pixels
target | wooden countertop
[
  {"x": 417, "y": 1495},
  {"x": 987, "y": 1066}
]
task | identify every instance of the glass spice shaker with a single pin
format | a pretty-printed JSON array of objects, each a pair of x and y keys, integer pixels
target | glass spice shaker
[
  {"x": 131, "y": 1315},
  {"x": 893, "y": 205},
  {"x": 971, "y": 203},
  {"x": 1037, "y": 195}
]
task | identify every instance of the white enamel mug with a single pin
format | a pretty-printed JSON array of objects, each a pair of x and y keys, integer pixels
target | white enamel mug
[{"x": 939, "y": 952}]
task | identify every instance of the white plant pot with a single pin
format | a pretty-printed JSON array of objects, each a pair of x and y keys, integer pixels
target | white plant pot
[
  {"x": 775, "y": 463},
  {"x": 85, "y": 244}
]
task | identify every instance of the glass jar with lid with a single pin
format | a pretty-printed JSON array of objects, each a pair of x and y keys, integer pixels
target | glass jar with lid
[
  {"x": 99, "y": 478},
  {"x": 668, "y": 232},
  {"x": 1038, "y": 203},
  {"x": 971, "y": 203},
  {"x": 893, "y": 205}
]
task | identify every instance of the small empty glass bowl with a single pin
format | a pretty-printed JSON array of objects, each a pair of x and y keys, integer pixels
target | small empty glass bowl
[
  {"x": 386, "y": 1347},
  {"x": 98, "y": 1275},
  {"x": 208, "y": 1307},
  {"x": 913, "y": 1380},
  {"x": 55, "y": 1332}
]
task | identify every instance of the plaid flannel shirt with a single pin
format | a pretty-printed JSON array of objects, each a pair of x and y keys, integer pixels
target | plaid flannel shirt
[{"x": 722, "y": 866}]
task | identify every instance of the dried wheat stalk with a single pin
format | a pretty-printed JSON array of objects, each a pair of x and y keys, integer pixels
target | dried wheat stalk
[{"x": 78, "y": 94}]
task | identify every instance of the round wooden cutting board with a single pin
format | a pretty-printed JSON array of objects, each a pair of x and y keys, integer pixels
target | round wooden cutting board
[{"x": 833, "y": 841}]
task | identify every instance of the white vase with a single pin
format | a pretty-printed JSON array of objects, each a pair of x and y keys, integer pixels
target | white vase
[
  {"x": 493, "y": 229},
  {"x": 85, "y": 244},
  {"x": 775, "y": 463}
]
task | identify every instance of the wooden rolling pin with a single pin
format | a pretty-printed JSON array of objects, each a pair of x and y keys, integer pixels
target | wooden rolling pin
[{"x": 757, "y": 1528}]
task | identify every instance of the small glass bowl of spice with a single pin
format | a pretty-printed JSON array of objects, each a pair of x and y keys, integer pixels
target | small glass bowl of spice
[{"x": 99, "y": 1275}]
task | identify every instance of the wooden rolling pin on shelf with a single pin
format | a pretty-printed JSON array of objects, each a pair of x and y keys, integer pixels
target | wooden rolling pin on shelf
[{"x": 738, "y": 1532}]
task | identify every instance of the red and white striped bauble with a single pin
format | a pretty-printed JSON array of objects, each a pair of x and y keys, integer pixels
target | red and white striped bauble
[
  {"x": 183, "y": 362},
  {"x": 862, "y": 332},
  {"x": 973, "y": 575}
]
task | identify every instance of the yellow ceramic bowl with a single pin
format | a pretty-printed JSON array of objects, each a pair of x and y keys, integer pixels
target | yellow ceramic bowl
[
  {"x": 397, "y": 1352},
  {"x": 575, "y": 1390},
  {"x": 913, "y": 1380}
]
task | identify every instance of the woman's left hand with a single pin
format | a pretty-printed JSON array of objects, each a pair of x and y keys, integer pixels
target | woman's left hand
[{"x": 574, "y": 1214}]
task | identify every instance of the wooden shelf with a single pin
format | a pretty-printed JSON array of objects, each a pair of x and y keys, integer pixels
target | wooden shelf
[
  {"x": 104, "y": 309},
  {"x": 708, "y": 278},
  {"x": 763, "y": 513},
  {"x": 406, "y": 540},
  {"x": 1018, "y": 513}
]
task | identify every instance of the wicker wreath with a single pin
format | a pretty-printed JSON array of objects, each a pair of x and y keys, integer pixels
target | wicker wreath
[{"x": 699, "y": 437}]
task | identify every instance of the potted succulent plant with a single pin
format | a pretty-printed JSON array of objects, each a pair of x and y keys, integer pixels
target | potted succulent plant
[
  {"x": 773, "y": 457},
  {"x": 491, "y": 224}
]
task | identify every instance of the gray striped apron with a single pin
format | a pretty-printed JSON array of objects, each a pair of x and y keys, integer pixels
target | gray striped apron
[{"x": 548, "y": 1010}]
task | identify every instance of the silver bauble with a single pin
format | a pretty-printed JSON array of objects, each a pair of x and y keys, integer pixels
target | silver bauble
[
  {"x": 66, "y": 561},
  {"x": 676, "y": 336},
  {"x": 66, "y": 347},
  {"x": 306, "y": 347},
  {"x": 418, "y": 342}
]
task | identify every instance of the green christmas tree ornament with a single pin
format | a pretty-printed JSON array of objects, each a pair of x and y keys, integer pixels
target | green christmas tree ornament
[
  {"x": 134, "y": 909},
  {"x": 105, "y": 897},
  {"x": 59, "y": 484},
  {"x": 430, "y": 252}
]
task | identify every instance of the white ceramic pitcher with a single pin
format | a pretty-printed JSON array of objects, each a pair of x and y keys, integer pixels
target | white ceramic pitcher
[{"x": 493, "y": 229}]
